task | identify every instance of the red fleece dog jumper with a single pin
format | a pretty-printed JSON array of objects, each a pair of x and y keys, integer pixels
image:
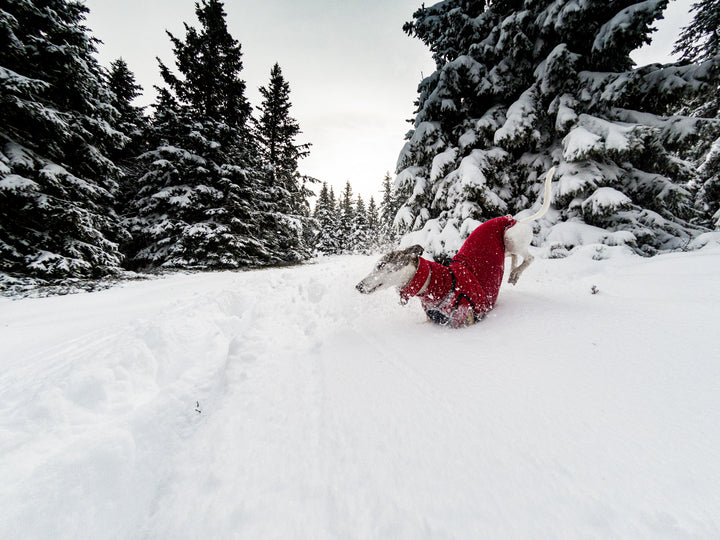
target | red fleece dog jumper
[{"x": 470, "y": 284}]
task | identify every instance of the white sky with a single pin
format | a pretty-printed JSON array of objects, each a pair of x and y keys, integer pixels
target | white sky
[{"x": 353, "y": 72}]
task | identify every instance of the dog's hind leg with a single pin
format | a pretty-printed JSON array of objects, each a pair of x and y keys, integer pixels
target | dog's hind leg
[
  {"x": 516, "y": 271},
  {"x": 518, "y": 237},
  {"x": 517, "y": 243},
  {"x": 514, "y": 264}
]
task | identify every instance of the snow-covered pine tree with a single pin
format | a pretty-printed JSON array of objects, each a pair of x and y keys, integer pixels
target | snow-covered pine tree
[
  {"x": 346, "y": 217},
  {"x": 326, "y": 241},
  {"x": 359, "y": 238},
  {"x": 286, "y": 215},
  {"x": 57, "y": 183},
  {"x": 337, "y": 217},
  {"x": 309, "y": 225},
  {"x": 131, "y": 121},
  {"x": 700, "y": 41},
  {"x": 373, "y": 226},
  {"x": 709, "y": 194},
  {"x": 196, "y": 204},
  {"x": 522, "y": 86},
  {"x": 389, "y": 206}
]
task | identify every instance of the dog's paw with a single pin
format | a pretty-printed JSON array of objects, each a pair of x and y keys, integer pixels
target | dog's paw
[{"x": 513, "y": 279}]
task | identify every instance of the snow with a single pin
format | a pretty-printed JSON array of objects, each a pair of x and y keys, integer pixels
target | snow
[
  {"x": 594, "y": 136},
  {"x": 439, "y": 237},
  {"x": 14, "y": 182},
  {"x": 675, "y": 129},
  {"x": 571, "y": 234},
  {"x": 617, "y": 28},
  {"x": 467, "y": 139},
  {"x": 404, "y": 217},
  {"x": 441, "y": 162},
  {"x": 681, "y": 77},
  {"x": 617, "y": 135},
  {"x": 712, "y": 157},
  {"x": 447, "y": 105},
  {"x": 474, "y": 68},
  {"x": 580, "y": 144},
  {"x": 11, "y": 79},
  {"x": 492, "y": 119},
  {"x": 557, "y": 62},
  {"x": 283, "y": 404},
  {"x": 606, "y": 200},
  {"x": 423, "y": 131},
  {"x": 411, "y": 176},
  {"x": 469, "y": 178},
  {"x": 520, "y": 120},
  {"x": 566, "y": 115},
  {"x": 58, "y": 175},
  {"x": 470, "y": 172},
  {"x": 18, "y": 156},
  {"x": 705, "y": 239}
]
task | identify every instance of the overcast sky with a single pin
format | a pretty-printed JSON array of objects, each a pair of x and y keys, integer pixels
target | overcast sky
[{"x": 353, "y": 72}]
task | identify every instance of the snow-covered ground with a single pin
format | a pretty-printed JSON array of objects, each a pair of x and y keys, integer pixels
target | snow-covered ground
[{"x": 283, "y": 404}]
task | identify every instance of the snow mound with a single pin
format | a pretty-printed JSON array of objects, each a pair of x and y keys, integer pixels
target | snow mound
[
  {"x": 605, "y": 200},
  {"x": 570, "y": 234}
]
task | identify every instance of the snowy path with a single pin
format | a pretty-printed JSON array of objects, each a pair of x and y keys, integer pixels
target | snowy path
[{"x": 327, "y": 414}]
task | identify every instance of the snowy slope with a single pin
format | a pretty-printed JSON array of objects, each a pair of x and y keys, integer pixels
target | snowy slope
[{"x": 327, "y": 414}]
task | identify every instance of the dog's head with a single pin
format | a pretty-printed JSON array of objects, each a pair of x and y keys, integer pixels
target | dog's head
[{"x": 396, "y": 269}]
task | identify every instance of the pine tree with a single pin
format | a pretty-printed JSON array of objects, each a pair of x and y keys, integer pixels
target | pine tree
[
  {"x": 709, "y": 193},
  {"x": 326, "y": 238},
  {"x": 520, "y": 87},
  {"x": 196, "y": 205},
  {"x": 309, "y": 224},
  {"x": 389, "y": 207},
  {"x": 337, "y": 217},
  {"x": 700, "y": 41},
  {"x": 130, "y": 121},
  {"x": 359, "y": 241},
  {"x": 373, "y": 226},
  {"x": 346, "y": 214},
  {"x": 57, "y": 183},
  {"x": 286, "y": 205},
  {"x": 210, "y": 61}
]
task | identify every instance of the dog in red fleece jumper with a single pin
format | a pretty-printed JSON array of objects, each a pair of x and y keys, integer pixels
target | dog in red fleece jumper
[{"x": 463, "y": 292}]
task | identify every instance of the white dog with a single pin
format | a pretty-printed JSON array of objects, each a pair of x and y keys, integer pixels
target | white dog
[{"x": 464, "y": 291}]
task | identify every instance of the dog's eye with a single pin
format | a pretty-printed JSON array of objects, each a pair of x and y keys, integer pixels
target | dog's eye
[{"x": 380, "y": 266}]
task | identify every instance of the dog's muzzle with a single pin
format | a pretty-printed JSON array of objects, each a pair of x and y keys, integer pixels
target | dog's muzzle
[{"x": 363, "y": 289}]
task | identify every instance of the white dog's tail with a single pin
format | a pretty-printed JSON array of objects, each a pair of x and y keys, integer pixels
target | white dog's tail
[{"x": 546, "y": 200}]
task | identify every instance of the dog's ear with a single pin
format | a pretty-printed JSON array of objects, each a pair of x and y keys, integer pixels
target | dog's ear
[{"x": 417, "y": 249}]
